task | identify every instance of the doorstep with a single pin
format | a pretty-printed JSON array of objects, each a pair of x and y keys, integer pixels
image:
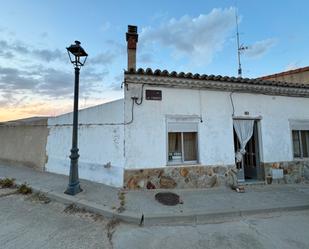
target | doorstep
[{"x": 252, "y": 182}]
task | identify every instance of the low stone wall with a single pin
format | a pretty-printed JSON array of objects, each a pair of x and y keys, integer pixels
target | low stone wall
[
  {"x": 182, "y": 177},
  {"x": 296, "y": 171},
  {"x": 179, "y": 177}
]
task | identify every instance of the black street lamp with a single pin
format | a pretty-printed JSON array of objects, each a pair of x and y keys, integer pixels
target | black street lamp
[{"x": 78, "y": 52}]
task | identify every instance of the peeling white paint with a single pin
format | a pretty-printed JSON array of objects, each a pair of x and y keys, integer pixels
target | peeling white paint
[
  {"x": 146, "y": 138},
  {"x": 143, "y": 143},
  {"x": 98, "y": 144}
]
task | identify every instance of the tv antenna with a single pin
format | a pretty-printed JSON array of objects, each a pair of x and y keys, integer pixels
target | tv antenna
[{"x": 240, "y": 48}]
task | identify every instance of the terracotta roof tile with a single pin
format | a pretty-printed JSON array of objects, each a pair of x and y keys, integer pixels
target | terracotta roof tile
[{"x": 256, "y": 81}]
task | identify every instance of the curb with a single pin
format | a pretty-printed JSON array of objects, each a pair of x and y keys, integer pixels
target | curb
[
  {"x": 148, "y": 219},
  {"x": 126, "y": 216},
  {"x": 215, "y": 217}
]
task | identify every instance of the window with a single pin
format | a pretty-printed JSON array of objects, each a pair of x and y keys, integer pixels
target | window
[
  {"x": 300, "y": 143},
  {"x": 182, "y": 147}
]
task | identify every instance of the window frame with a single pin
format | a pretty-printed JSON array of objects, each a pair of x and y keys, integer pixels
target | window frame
[
  {"x": 182, "y": 120},
  {"x": 182, "y": 149},
  {"x": 300, "y": 144}
]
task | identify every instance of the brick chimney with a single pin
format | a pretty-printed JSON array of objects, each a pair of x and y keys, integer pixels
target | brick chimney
[{"x": 132, "y": 39}]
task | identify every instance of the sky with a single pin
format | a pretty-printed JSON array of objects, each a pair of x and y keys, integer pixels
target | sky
[{"x": 198, "y": 36}]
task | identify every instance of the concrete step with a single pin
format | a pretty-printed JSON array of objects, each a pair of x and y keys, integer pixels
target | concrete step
[{"x": 252, "y": 183}]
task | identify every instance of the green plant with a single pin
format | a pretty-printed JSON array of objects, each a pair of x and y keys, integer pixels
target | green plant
[
  {"x": 24, "y": 189},
  {"x": 7, "y": 183},
  {"x": 121, "y": 197}
]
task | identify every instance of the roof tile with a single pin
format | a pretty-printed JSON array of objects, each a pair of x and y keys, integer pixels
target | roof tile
[{"x": 257, "y": 81}]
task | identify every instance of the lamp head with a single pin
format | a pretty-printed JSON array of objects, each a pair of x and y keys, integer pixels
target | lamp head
[{"x": 78, "y": 52}]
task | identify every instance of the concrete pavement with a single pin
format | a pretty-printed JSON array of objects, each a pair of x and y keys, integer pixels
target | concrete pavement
[
  {"x": 199, "y": 206},
  {"x": 29, "y": 222},
  {"x": 287, "y": 230}
]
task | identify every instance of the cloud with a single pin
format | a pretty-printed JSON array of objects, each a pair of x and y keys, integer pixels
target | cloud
[
  {"x": 8, "y": 49},
  {"x": 259, "y": 48},
  {"x": 55, "y": 83},
  {"x": 12, "y": 78},
  {"x": 20, "y": 48},
  {"x": 4, "y": 45},
  {"x": 6, "y": 99},
  {"x": 6, "y": 54},
  {"x": 91, "y": 74},
  {"x": 104, "y": 58},
  {"x": 9, "y": 99},
  {"x": 49, "y": 55},
  {"x": 117, "y": 83},
  {"x": 197, "y": 38},
  {"x": 59, "y": 84},
  {"x": 26, "y": 78},
  {"x": 35, "y": 108},
  {"x": 48, "y": 82}
]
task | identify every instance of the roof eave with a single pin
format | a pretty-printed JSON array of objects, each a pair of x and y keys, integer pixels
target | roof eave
[{"x": 230, "y": 84}]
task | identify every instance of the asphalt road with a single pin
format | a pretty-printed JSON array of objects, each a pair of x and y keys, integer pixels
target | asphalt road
[
  {"x": 289, "y": 230},
  {"x": 27, "y": 222}
]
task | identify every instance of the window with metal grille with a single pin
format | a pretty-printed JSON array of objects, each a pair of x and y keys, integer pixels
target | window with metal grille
[{"x": 300, "y": 143}]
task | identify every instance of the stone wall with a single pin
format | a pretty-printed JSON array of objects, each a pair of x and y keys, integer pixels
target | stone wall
[
  {"x": 179, "y": 177},
  {"x": 185, "y": 177},
  {"x": 296, "y": 171}
]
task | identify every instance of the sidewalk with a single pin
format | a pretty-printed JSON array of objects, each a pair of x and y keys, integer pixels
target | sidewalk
[{"x": 199, "y": 206}]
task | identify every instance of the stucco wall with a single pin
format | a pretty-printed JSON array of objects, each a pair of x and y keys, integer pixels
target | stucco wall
[
  {"x": 147, "y": 136},
  {"x": 98, "y": 144},
  {"x": 24, "y": 143}
]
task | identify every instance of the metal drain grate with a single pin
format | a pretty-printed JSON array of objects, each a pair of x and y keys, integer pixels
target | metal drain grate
[{"x": 167, "y": 198}]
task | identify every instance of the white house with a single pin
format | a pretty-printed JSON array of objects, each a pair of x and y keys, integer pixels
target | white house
[{"x": 177, "y": 130}]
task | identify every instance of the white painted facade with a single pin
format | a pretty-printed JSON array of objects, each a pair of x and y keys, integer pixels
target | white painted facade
[
  {"x": 133, "y": 133},
  {"x": 99, "y": 143},
  {"x": 142, "y": 143},
  {"x": 147, "y": 135}
]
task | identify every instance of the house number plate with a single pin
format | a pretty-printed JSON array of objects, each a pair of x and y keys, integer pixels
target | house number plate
[{"x": 153, "y": 94}]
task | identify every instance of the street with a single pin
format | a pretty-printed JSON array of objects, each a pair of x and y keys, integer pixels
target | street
[
  {"x": 27, "y": 223},
  {"x": 287, "y": 230},
  {"x": 35, "y": 222}
]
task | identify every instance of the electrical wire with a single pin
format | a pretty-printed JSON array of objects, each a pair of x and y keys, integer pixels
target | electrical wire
[
  {"x": 142, "y": 96},
  {"x": 200, "y": 105},
  {"x": 232, "y": 104}
]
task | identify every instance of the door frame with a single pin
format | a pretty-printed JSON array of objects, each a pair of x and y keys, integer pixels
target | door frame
[{"x": 258, "y": 148}]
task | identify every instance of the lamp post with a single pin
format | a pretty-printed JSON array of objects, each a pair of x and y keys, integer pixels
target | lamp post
[{"x": 77, "y": 53}]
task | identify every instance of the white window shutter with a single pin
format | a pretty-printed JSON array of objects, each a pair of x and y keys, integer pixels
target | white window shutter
[{"x": 182, "y": 127}]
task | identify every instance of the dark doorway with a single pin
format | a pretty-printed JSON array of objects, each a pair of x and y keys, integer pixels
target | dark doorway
[{"x": 251, "y": 160}]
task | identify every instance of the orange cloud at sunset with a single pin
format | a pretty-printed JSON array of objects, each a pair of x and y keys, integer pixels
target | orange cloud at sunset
[{"x": 46, "y": 108}]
